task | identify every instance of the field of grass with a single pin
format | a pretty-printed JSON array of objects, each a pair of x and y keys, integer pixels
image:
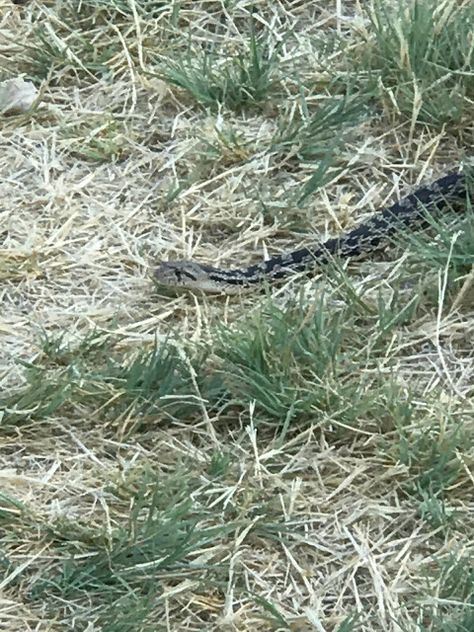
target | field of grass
[{"x": 299, "y": 458}]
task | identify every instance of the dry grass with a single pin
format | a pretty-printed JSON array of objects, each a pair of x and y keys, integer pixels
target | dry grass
[{"x": 300, "y": 461}]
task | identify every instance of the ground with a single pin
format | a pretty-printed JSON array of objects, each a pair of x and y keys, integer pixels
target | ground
[{"x": 295, "y": 458}]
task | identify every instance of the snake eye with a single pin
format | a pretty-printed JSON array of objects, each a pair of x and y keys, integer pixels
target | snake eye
[{"x": 188, "y": 274}]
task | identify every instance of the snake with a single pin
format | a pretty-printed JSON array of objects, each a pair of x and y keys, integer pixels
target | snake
[{"x": 409, "y": 212}]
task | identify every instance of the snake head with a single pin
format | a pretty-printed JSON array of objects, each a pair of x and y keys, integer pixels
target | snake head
[{"x": 186, "y": 275}]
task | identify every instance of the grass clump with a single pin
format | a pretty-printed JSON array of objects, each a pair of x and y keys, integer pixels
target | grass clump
[
  {"x": 317, "y": 130},
  {"x": 161, "y": 529},
  {"x": 246, "y": 79},
  {"x": 423, "y": 56},
  {"x": 453, "y": 583},
  {"x": 319, "y": 136},
  {"x": 98, "y": 572},
  {"x": 432, "y": 456},
  {"x": 162, "y": 379},
  {"x": 81, "y": 42},
  {"x": 307, "y": 363}
]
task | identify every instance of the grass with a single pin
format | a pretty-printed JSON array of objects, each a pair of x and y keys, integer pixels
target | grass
[
  {"x": 245, "y": 79},
  {"x": 423, "y": 57},
  {"x": 292, "y": 459},
  {"x": 159, "y": 530}
]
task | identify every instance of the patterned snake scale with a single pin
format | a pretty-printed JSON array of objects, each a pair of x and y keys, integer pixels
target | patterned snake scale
[{"x": 409, "y": 212}]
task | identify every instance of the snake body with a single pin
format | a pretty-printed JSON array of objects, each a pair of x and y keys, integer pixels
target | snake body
[{"x": 409, "y": 212}]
